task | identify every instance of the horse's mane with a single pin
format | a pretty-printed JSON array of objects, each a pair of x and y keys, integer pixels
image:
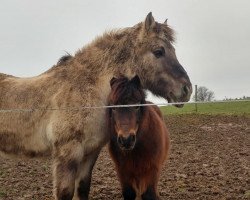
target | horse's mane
[
  {"x": 3, "y": 76},
  {"x": 122, "y": 41},
  {"x": 125, "y": 91},
  {"x": 64, "y": 59},
  {"x": 168, "y": 32},
  {"x": 116, "y": 46}
]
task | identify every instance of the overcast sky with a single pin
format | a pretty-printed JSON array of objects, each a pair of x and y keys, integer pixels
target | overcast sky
[{"x": 213, "y": 37}]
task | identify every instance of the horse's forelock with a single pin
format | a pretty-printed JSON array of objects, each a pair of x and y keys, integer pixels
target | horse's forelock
[
  {"x": 168, "y": 32},
  {"x": 118, "y": 90},
  {"x": 123, "y": 91}
]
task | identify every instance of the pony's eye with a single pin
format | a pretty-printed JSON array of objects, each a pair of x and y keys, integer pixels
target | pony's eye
[
  {"x": 137, "y": 107},
  {"x": 159, "y": 52}
]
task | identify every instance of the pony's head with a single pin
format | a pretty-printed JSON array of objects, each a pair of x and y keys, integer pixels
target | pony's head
[
  {"x": 157, "y": 64},
  {"x": 126, "y": 119}
]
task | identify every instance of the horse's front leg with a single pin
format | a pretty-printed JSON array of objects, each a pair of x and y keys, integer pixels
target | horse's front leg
[
  {"x": 83, "y": 180},
  {"x": 150, "y": 193},
  {"x": 67, "y": 158},
  {"x": 128, "y": 192}
]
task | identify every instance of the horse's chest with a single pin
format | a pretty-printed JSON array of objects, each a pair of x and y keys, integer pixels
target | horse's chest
[
  {"x": 95, "y": 130},
  {"x": 138, "y": 162}
]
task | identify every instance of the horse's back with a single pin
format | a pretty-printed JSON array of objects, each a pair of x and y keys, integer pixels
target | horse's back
[
  {"x": 4, "y": 76},
  {"x": 5, "y": 85}
]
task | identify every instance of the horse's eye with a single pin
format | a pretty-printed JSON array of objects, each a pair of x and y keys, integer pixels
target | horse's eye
[
  {"x": 159, "y": 52},
  {"x": 137, "y": 107},
  {"x": 113, "y": 109}
]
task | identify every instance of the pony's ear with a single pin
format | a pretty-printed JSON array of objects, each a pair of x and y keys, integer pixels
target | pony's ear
[
  {"x": 136, "y": 81},
  {"x": 112, "y": 81},
  {"x": 166, "y": 22},
  {"x": 149, "y": 23}
]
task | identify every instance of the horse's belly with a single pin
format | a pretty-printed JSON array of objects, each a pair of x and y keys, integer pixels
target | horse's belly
[
  {"x": 37, "y": 144},
  {"x": 22, "y": 138}
]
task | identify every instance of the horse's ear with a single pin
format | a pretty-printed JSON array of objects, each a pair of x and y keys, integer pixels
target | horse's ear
[
  {"x": 136, "y": 81},
  {"x": 112, "y": 81},
  {"x": 149, "y": 22},
  {"x": 166, "y": 22}
]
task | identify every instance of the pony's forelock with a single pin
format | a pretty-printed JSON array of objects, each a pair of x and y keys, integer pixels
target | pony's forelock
[{"x": 123, "y": 91}]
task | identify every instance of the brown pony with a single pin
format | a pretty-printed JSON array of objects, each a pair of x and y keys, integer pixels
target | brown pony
[
  {"x": 139, "y": 140},
  {"x": 54, "y": 121}
]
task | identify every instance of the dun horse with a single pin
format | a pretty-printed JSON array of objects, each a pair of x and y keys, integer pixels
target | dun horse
[
  {"x": 139, "y": 141},
  {"x": 73, "y": 134}
]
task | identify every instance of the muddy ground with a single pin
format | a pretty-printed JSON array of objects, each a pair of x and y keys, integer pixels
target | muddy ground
[{"x": 210, "y": 159}]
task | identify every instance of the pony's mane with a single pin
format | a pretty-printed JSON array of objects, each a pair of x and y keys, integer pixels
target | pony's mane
[{"x": 124, "y": 91}]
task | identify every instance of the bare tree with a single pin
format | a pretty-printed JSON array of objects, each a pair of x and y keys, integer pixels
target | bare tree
[{"x": 204, "y": 94}]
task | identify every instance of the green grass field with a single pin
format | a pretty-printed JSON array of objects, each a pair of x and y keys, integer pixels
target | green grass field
[{"x": 224, "y": 108}]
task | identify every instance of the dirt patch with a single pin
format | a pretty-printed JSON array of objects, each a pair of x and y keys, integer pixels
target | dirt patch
[{"x": 210, "y": 159}]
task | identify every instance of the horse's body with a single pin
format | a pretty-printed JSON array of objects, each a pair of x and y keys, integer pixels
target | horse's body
[
  {"x": 138, "y": 165},
  {"x": 75, "y": 136}
]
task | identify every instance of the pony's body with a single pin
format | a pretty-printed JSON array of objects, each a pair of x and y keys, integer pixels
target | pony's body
[
  {"x": 74, "y": 135},
  {"x": 139, "y": 168}
]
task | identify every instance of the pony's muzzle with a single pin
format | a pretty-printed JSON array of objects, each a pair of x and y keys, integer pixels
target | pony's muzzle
[{"x": 126, "y": 143}]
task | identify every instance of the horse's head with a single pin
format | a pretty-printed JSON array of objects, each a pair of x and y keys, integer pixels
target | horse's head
[
  {"x": 126, "y": 119},
  {"x": 159, "y": 69}
]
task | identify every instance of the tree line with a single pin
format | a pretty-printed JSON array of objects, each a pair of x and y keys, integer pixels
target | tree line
[{"x": 204, "y": 94}]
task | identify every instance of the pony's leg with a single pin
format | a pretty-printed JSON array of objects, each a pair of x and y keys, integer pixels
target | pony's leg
[
  {"x": 83, "y": 181},
  {"x": 67, "y": 158},
  {"x": 128, "y": 192},
  {"x": 150, "y": 194}
]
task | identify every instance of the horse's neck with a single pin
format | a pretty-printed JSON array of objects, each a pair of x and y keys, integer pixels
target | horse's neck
[
  {"x": 92, "y": 68},
  {"x": 109, "y": 54}
]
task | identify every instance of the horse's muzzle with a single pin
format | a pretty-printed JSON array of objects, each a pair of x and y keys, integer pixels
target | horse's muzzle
[{"x": 126, "y": 143}]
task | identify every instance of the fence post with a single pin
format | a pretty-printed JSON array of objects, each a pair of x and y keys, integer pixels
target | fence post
[{"x": 196, "y": 108}]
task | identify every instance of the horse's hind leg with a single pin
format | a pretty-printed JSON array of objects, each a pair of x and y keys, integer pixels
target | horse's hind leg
[
  {"x": 67, "y": 158},
  {"x": 85, "y": 173}
]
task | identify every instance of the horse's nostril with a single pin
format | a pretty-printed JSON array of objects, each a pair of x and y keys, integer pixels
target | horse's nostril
[
  {"x": 119, "y": 140},
  {"x": 186, "y": 89},
  {"x": 132, "y": 137},
  {"x": 127, "y": 142}
]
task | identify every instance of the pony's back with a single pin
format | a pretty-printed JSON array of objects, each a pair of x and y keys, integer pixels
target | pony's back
[{"x": 156, "y": 109}]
